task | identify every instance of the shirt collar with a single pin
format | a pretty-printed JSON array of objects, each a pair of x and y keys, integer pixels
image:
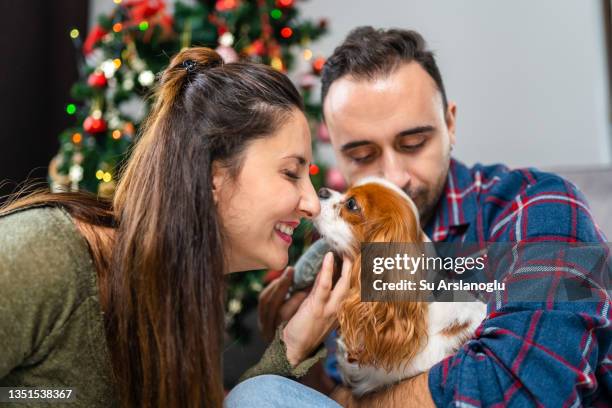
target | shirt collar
[{"x": 457, "y": 206}]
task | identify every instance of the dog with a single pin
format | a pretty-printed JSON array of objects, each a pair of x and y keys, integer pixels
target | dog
[{"x": 381, "y": 343}]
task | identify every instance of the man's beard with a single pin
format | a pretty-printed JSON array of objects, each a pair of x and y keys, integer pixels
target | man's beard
[{"x": 426, "y": 199}]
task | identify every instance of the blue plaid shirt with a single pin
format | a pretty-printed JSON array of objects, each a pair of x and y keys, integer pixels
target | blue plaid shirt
[{"x": 552, "y": 354}]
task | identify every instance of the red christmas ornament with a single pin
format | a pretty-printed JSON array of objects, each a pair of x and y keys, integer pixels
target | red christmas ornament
[
  {"x": 317, "y": 65},
  {"x": 335, "y": 180},
  {"x": 97, "y": 80},
  {"x": 286, "y": 32},
  {"x": 93, "y": 125},
  {"x": 284, "y": 3}
]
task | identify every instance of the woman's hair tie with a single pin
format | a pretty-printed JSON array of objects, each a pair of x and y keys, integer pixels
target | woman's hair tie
[{"x": 189, "y": 65}]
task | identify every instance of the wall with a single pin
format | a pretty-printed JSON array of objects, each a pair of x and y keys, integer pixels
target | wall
[
  {"x": 529, "y": 77},
  {"x": 37, "y": 70}
]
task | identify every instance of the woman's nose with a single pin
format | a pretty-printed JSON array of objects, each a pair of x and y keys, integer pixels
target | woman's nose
[{"x": 309, "y": 204}]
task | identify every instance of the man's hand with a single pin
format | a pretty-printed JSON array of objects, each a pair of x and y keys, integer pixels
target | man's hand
[{"x": 273, "y": 308}]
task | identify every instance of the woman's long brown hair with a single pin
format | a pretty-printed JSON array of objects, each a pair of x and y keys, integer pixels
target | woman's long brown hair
[{"x": 164, "y": 273}]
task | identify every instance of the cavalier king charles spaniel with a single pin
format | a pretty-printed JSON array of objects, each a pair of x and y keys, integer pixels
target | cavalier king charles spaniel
[{"x": 381, "y": 343}]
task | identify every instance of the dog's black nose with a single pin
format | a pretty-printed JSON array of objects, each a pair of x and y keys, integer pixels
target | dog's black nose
[{"x": 324, "y": 193}]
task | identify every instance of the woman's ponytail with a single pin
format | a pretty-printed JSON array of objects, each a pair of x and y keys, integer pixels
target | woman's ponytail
[{"x": 165, "y": 321}]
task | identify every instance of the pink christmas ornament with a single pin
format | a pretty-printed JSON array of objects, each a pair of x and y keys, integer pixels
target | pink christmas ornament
[
  {"x": 227, "y": 53},
  {"x": 323, "y": 133},
  {"x": 335, "y": 180},
  {"x": 307, "y": 81}
]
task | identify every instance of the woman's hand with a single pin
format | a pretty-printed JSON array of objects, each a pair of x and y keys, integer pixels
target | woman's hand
[
  {"x": 274, "y": 307},
  {"x": 317, "y": 315}
]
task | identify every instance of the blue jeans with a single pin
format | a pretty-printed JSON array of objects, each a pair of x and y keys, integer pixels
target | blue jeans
[{"x": 272, "y": 391}]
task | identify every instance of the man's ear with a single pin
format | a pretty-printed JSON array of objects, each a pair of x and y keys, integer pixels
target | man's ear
[
  {"x": 219, "y": 175},
  {"x": 450, "y": 118}
]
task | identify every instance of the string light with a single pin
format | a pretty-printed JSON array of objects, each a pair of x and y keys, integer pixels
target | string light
[
  {"x": 226, "y": 5},
  {"x": 313, "y": 170},
  {"x": 71, "y": 108},
  {"x": 117, "y": 63},
  {"x": 226, "y": 39},
  {"x": 116, "y": 134},
  {"x": 117, "y": 1},
  {"x": 277, "y": 63},
  {"x": 99, "y": 174},
  {"x": 307, "y": 54},
  {"x": 143, "y": 26},
  {"x": 146, "y": 78},
  {"x": 77, "y": 138},
  {"x": 107, "y": 177},
  {"x": 74, "y": 33},
  {"x": 256, "y": 286},
  {"x": 117, "y": 27},
  {"x": 276, "y": 14},
  {"x": 285, "y": 3},
  {"x": 286, "y": 32}
]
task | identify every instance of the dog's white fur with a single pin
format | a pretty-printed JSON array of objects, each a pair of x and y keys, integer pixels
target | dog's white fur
[
  {"x": 366, "y": 378},
  {"x": 441, "y": 315}
]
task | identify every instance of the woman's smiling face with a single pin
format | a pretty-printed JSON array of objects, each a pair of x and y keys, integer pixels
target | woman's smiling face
[{"x": 271, "y": 194}]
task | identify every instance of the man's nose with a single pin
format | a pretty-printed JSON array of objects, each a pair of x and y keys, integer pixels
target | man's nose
[
  {"x": 397, "y": 175},
  {"x": 400, "y": 180},
  {"x": 324, "y": 193}
]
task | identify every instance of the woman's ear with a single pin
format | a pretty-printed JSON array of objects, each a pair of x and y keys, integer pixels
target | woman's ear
[{"x": 219, "y": 174}]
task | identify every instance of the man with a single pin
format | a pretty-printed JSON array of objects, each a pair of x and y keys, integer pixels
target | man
[{"x": 387, "y": 112}]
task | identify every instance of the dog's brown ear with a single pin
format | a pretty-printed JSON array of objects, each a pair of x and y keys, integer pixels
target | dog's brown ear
[
  {"x": 382, "y": 334},
  {"x": 386, "y": 334}
]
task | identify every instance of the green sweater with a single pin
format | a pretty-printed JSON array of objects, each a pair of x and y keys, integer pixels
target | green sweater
[{"x": 51, "y": 323}]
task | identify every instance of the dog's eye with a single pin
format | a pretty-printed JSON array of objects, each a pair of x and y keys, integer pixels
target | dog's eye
[{"x": 351, "y": 204}]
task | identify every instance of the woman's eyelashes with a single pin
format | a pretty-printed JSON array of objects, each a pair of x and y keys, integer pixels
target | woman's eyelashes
[{"x": 291, "y": 175}]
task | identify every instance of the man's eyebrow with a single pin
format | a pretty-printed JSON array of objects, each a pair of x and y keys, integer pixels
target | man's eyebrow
[
  {"x": 299, "y": 158},
  {"x": 407, "y": 132},
  {"x": 415, "y": 130},
  {"x": 357, "y": 143}
]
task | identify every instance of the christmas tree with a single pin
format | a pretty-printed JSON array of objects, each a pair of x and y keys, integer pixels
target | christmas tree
[{"x": 119, "y": 61}]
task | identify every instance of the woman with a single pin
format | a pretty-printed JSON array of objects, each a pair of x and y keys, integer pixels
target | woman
[{"x": 133, "y": 313}]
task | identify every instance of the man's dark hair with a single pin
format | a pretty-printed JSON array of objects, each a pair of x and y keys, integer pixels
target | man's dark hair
[{"x": 367, "y": 53}]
